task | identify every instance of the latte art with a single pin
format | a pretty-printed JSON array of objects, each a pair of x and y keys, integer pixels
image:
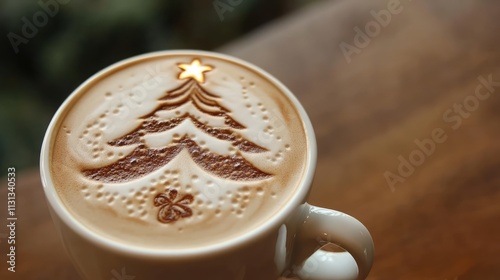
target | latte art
[
  {"x": 144, "y": 160},
  {"x": 177, "y": 151}
]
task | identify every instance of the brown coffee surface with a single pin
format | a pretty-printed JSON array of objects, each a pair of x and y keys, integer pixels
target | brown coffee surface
[{"x": 177, "y": 150}]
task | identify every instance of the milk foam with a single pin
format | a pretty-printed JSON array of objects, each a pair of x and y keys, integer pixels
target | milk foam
[{"x": 114, "y": 104}]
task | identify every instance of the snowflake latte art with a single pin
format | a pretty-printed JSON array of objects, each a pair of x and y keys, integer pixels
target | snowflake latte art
[{"x": 177, "y": 150}]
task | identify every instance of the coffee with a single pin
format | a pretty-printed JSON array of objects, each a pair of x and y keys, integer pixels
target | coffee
[{"x": 177, "y": 150}]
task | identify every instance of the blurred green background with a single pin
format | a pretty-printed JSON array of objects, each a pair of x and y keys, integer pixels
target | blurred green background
[{"x": 73, "y": 39}]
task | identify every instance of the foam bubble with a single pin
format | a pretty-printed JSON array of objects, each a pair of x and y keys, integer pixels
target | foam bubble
[{"x": 259, "y": 190}]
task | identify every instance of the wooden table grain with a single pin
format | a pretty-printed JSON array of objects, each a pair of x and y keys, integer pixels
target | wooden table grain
[{"x": 403, "y": 96}]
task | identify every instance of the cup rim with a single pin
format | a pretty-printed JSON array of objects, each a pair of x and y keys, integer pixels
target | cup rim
[{"x": 298, "y": 198}]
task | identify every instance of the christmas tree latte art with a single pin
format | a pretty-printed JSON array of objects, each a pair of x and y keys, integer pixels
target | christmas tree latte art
[{"x": 177, "y": 150}]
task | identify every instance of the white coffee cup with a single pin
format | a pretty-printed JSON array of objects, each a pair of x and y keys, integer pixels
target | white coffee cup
[{"x": 286, "y": 244}]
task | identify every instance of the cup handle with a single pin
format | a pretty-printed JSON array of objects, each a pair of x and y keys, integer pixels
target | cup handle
[{"x": 319, "y": 226}]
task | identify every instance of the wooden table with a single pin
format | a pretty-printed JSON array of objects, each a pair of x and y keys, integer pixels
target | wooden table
[{"x": 372, "y": 95}]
